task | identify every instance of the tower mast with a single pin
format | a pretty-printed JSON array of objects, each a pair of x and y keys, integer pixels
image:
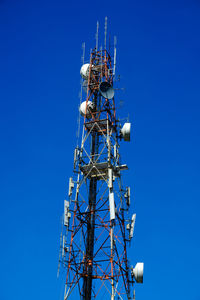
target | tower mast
[{"x": 97, "y": 222}]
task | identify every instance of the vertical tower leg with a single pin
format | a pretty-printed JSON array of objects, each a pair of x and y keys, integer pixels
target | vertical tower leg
[
  {"x": 111, "y": 246},
  {"x": 87, "y": 282}
]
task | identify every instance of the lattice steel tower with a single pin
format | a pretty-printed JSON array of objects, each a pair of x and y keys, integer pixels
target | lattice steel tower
[{"x": 97, "y": 225}]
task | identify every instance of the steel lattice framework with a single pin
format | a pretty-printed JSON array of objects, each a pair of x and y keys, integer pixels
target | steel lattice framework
[{"x": 96, "y": 219}]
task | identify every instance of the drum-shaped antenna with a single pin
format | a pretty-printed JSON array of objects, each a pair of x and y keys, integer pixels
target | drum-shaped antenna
[
  {"x": 106, "y": 90},
  {"x": 85, "y": 71},
  {"x": 138, "y": 271},
  {"x": 125, "y": 132},
  {"x": 86, "y": 112}
]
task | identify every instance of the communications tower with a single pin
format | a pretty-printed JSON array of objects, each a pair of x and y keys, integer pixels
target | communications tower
[{"x": 97, "y": 226}]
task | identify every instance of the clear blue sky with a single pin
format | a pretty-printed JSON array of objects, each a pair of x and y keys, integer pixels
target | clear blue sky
[{"x": 159, "y": 62}]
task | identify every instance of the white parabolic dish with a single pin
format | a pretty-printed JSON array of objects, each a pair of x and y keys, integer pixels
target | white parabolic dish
[
  {"x": 82, "y": 109},
  {"x": 85, "y": 71}
]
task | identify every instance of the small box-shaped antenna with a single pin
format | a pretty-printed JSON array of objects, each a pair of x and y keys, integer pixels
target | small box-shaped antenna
[
  {"x": 132, "y": 226},
  {"x": 71, "y": 186},
  {"x": 66, "y": 212},
  {"x": 128, "y": 196},
  {"x": 110, "y": 178},
  {"x": 112, "y": 205}
]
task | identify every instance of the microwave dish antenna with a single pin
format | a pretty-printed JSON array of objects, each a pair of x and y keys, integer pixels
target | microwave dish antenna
[{"x": 106, "y": 90}]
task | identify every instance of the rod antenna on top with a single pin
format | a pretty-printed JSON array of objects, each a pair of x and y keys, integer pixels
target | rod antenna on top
[
  {"x": 83, "y": 54},
  {"x": 115, "y": 54},
  {"x": 97, "y": 36},
  {"x": 106, "y": 19},
  {"x": 80, "y": 95}
]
